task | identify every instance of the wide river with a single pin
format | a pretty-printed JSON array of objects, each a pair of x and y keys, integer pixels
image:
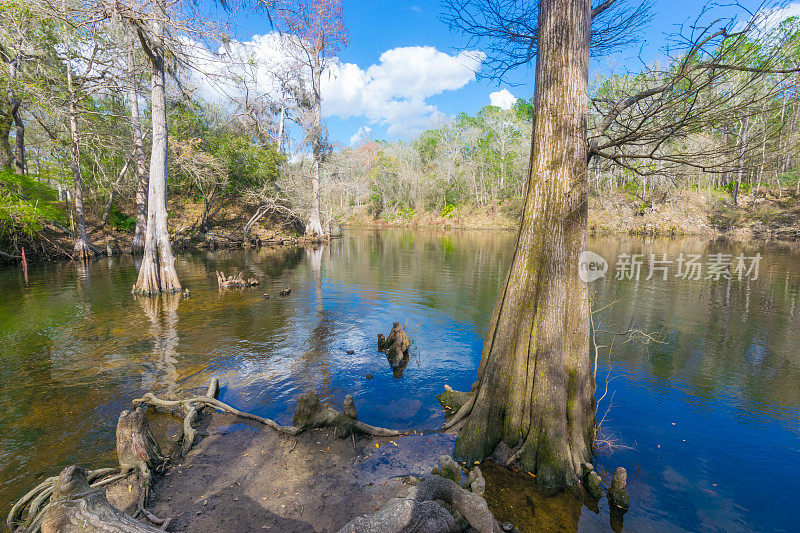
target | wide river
[{"x": 698, "y": 380}]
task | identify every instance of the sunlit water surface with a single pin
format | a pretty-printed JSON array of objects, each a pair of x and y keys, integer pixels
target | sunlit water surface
[{"x": 702, "y": 410}]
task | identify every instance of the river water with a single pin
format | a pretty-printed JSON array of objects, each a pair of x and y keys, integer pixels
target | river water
[{"x": 699, "y": 378}]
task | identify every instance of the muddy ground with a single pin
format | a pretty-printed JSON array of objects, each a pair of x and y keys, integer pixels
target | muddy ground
[{"x": 244, "y": 477}]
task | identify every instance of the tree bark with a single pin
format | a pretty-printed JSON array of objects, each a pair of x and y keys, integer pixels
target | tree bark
[
  {"x": 743, "y": 134},
  {"x": 76, "y": 507},
  {"x": 82, "y": 250},
  {"x": 157, "y": 273},
  {"x": 535, "y": 391},
  {"x": 314, "y": 227},
  {"x": 142, "y": 177}
]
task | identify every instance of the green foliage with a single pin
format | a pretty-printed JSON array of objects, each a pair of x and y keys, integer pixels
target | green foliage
[
  {"x": 789, "y": 178},
  {"x": 248, "y": 165},
  {"x": 26, "y": 204},
  {"x": 447, "y": 210},
  {"x": 375, "y": 204},
  {"x": 120, "y": 220}
]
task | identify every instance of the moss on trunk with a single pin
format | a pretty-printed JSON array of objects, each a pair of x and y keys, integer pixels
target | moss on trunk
[{"x": 535, "y": 389}]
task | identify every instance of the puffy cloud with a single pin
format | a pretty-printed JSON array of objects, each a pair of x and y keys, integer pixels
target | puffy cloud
[
  {"x": 360, "y": 136},
  {"x": 392, "y": 92},
  {"x": 502, "y": 99}
]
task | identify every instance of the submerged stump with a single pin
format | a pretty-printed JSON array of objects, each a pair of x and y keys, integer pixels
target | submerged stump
[{"x": 231, "y": 282}]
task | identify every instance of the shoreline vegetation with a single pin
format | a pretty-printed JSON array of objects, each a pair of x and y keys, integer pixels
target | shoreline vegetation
[{"x": 774, "y": 215}]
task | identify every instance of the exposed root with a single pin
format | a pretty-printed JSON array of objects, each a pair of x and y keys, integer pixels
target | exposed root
[
  {"x": 170, "y": 405},
  {"x": 76, "y": 505},
  {"x": 416, "y": 509},
  {"x": 453, "y": 400},
  {"x": 82, "y": 250},
  {"x": 461, "y": 414},
  {"x": 36, "y": 501},
  {"x": 229, "y": 282},
  {"x": 311, "y": 413},
  {"x": 395, "y": 346}
]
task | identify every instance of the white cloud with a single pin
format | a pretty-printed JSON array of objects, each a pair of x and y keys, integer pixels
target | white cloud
[
  {"x": 766, "y": 20},
  {"x": 360, "y": 136},
  {"x": 502, "y": 99},
  {"x": 392, "y": 92}
]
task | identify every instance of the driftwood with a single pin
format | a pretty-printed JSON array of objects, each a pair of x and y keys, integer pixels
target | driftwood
[
  {"x": 231, "y": 282},
  {"x": 395, "y": 346},
  {"x": 77, "y": 507}
]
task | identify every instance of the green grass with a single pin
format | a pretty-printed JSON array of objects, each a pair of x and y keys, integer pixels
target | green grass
[{"x": 26, "y": 204}]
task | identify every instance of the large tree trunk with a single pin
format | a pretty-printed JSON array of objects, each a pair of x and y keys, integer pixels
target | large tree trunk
[
  {"x": 314, "y": 227},
  {"x": 82, "y": 249},
  {"x": 157, "y": 273},
  {"x": 138, "y": 153},
  {"x": 535, "y": 390}
]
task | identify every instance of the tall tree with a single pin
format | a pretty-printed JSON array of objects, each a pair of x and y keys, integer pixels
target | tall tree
[
  {"x": 535, "y": 390},
  {"x": 142, "y": 177},
  {"x": 316, "y": 31},
  {"x": 81, "y": 248},
  {"x": 157, "y": 273}
]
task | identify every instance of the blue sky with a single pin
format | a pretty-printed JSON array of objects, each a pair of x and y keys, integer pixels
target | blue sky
[{"x": 443, "y": 89}]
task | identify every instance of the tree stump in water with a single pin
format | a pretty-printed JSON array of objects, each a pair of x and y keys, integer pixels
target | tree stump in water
[
  {"x": 311, "y": 413},
  {"x": 395, "y": 346},
  {"x": 76, "y": 507},
  {"x": 230, "y": 282}
]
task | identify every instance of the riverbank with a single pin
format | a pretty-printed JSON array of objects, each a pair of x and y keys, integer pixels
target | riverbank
[
  {"x": 775, "y": 215},
  {"x": 241, "y": 477}
]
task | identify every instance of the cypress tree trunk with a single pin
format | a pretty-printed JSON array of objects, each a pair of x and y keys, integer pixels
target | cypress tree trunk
[
  {"x": 535, "y": 389},
  {"x": 314, "y": 227},
  {"x": 137, "y": 246},
  {"x": 157, "y": 273}
]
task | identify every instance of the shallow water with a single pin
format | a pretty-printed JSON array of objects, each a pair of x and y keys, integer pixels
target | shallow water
[{"x": 704, "y": 416}]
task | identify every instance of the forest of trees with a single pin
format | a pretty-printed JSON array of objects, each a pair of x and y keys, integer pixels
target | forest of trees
[
  {"x": 728, "y": 130},
  {"x": 720, "y": 113}
]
